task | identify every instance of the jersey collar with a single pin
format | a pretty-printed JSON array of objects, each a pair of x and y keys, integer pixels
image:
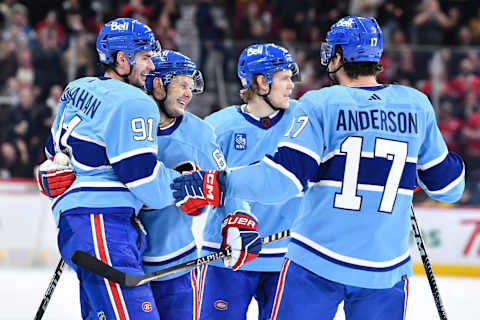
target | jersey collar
[
  {"x": 169, "y": 130},
  {"x": 263, "y": 122},
  {"x": 372, "y": 88}
]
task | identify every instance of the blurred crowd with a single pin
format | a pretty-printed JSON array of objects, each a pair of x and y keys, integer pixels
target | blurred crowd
[{"x": 432, "y": 45}]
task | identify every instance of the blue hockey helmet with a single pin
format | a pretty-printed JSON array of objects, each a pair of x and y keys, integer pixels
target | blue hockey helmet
[
  {"x": 127, "y": 35},
  {"x": 169, "y": 63},
  {"x": 265, "y": 59},
  {"x": 361, "y": 40}
]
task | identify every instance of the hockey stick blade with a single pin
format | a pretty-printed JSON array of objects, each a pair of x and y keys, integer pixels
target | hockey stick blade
[{"x": 92, "y": 264}]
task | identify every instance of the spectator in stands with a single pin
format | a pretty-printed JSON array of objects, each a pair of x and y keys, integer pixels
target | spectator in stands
[
  {"x": 165, "y": 32},
  {"x": 211, "y": 37},
  {"x": 465, "y": 80},
  {"x": 136, "y": 9},
  {"x": 464, "y": 36},
  {"x": 474, "y": 25},
  {"x": 20, "y": 119},
  {"x": 471, "y": 134},
  {"x": 52, "y": 27},
  {"x": 26, "y": 35},
  {"x": 79, "y": 59},
  {"x": 25, "y": 71},
  {"x": 47, "y": 63},
  {"x": 364, "y": 8},
  {"x": 42, "y": 120},
  {"x": 431, "y": 22},
  {"x": 10, "y": 166},
  {"x": 451, "y": 126}
]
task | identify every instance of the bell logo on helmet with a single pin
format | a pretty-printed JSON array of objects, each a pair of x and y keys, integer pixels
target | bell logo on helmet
[
  {"x": 253, "y": 51},
  {"x": 119, "y": 26},
  {"x": 345, "y": 23}
]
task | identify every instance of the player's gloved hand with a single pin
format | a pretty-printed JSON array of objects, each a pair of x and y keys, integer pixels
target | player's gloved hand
[
  {"x": 198, "y": 189},
  {"x": 192, "y": 207},
  {"x": 239, "y": 231},
  {"x": 53, "y": 178}
]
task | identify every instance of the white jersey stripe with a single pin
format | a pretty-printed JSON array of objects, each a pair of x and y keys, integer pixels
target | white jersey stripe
[{"x": 351, "y": 260}]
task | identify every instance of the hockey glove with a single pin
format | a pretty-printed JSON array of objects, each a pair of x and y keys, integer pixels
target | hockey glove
[
  {"x": 239, "y": 231},
  {"x": 198, "y": 189},
  {"x": 54, "y": 179}
]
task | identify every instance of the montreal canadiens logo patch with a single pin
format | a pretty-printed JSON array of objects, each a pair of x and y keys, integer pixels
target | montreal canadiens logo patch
[
  {"x": 240, "y": 141},
  {"x": 221, "y": 305},
  {"x": 147, "y": 306}
]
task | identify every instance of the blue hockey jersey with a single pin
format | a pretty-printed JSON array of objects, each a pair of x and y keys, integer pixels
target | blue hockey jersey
[
  {"x": 187, "y": 142},
  {"x": 357, "y": 153},
  {"x": 108, "y": 127},
  {"x": 245, "y": 139}
]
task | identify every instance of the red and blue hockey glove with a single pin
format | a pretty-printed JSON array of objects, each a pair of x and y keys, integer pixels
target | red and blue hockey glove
[
  {"x": 197, "y": 206},
  {"x": 239, "y": 231},
  {"x": 54, "y": 177},
  {"x": 198, "y": 189}
]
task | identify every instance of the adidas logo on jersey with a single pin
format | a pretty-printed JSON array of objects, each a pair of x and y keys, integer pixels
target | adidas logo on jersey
[
  {"x": 119, "y": 26},
  {"x": 374, "y": 97}
]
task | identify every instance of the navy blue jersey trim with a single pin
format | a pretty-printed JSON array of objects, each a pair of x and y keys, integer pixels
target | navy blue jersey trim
[
  {"x": 346, "y": 264},
  {"x": 49, "y": 145},
  {"x": 261, "y": 123},
  {"x": 93, "y": 210},
  {"x": 88, "y": 153},
  {"x": 373, "y": 171},
  {"x": 303, "y": 166},
  {"x": 136, "y": 167},
  {"x": 161, "y": 263},
  {"x": 442, "y": 174},
  {"x": 168, "y": 131},
  {"x": 373, "y": 88}
]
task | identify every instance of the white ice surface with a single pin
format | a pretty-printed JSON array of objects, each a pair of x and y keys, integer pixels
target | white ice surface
[{"x": 22, "y": 290}]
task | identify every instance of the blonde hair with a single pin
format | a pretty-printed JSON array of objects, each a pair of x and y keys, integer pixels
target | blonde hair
[{"x": 247, "y": 94}]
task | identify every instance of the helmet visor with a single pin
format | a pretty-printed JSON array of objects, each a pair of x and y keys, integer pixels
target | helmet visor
[
  {"x": 325, "y": 53},
  {"x": 198, "y": 83},
  {"x": 296, "y": 77}
]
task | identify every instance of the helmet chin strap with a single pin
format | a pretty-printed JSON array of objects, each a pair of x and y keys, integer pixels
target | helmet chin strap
[
  {"x": 161, "y": 105},
  {"x": 267, "y": 100},
  {"x": 329, "y": 73},
  {"x": 124, "y": 77}
]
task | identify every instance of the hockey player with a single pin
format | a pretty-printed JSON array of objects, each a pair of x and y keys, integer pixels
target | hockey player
[
  {"x": 107, "y": 125},
  {"x": 356, "y": 151},
  {"x": 186, "y": 142},
  {"x": 245, "y": 134}
]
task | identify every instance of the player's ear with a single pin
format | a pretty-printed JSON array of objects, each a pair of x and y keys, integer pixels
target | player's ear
[
  {"x": 121, "y": 59},
  {"x": 262, "y": 84},
  {"x": 160, "y": 92},
  {"x": 337, "y": 59}
]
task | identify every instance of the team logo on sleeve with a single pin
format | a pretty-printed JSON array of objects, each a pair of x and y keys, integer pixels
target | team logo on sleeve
[{"x": 240, "y": 141}]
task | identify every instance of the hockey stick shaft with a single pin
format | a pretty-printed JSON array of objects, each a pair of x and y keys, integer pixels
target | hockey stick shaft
[
  {"x": 427, "y": 266},
  {"x": 51, "y": 287},
  {"x": 92, "y": 264}
]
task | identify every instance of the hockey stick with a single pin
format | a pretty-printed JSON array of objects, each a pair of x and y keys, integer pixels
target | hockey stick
[
  {"x": 51, "y": 287},
  {"x": 92, "y": 264},
  {"x": 427, "y": 266}
]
